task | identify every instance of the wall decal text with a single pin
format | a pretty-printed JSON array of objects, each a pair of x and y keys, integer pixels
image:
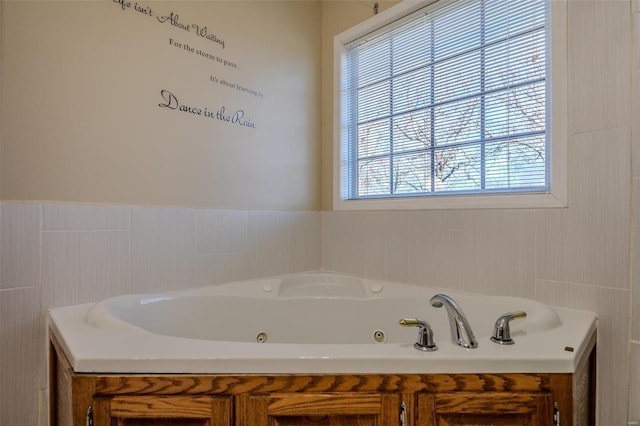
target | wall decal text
[
  {"x": 237, "y": 86},
  {"x": 173, "y": 19},
  {"x": 199, "y": 52},
  {"x": 239, "y": 117}
]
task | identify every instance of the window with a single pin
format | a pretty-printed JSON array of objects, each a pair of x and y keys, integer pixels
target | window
[{"x": 447, "y": 103}]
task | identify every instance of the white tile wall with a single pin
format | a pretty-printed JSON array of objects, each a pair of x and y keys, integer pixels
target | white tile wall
[
  {"x": 343, "y": 241},
  {"x": 635, "y": 263},
  {"x": 599, "y": 64},
  {"x": 612, "y": 307},
  {"x": 436, "y": 248},
  {"x": 222, "y": 231},
  {"x": 634, "y": 390},
  {"x": 85, "y": 266},
  {"x": 634, "y": 399},
  {"x": 437, "y": 219},
  {"x": 62, "y": 254},
  {"x": 71, "y": 217},
  {"x": 222, "y": 246},
  {"x": 589, "y": 241},
  {"x": 235, "y": 245},
  {"x": 635, "y": 89},
  {"x": 162, "y": 249},
  {"x": 343, "y": 257},
  {"x": 269, "y": 243},
  {"x": 86, "y": 253},
  {"x": 220, "y": 268},
  {"x": 386, "y": 249},
  {"x": 347, "y": 227},
  {"x": 21, "y": 335},
  {"x": 20, "y": 245},
  {"x": 2, "y": 356},
  {"x": 498, "y": 252},
  {"x": 305, "y": 241},
  {"x": 436, "y": 257}
]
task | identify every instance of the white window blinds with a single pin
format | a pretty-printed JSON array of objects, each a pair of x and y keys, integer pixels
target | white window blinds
[{"x": 449, "y": 100}]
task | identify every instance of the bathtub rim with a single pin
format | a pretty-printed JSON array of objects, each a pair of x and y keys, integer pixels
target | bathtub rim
[{"x": 134, "y": 353}]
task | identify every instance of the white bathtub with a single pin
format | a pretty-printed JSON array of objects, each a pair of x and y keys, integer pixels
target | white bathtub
[{"x": 312, "y": 323}]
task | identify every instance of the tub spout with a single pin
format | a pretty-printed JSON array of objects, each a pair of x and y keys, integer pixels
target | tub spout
[{"x": 461, "y": 332}]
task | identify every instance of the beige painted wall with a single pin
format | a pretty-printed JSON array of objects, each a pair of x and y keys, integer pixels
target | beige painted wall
[{"x": 82, "y": 85}]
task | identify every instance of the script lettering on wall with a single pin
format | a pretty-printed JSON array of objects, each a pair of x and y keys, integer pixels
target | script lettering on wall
[{"x": 169, "y": 100}]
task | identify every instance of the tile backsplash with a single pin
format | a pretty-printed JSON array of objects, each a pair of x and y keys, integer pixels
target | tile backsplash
[{"x": 62, "y": 254}]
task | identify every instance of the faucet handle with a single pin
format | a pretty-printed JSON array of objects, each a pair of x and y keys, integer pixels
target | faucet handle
[
  {"x": 502, "y": 331},
  {"x": 425, "y": 341}
]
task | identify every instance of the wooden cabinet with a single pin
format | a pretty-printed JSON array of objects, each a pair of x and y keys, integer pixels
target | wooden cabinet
[{"x": 509, "y": 399}]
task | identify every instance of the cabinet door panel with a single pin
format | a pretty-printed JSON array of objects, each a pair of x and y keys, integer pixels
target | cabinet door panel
[
  {"x": 485, "y": 409},
  {"x": 162, "y": 411}
]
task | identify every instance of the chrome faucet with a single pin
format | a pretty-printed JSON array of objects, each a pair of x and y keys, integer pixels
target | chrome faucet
[{"x": 461, "y": 332}]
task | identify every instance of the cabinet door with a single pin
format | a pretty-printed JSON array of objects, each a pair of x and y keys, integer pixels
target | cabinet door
[
  {"x": 162, "y": 411},
  {"x": 485, "y": 409},
  {"x": 373, "y": 409}
]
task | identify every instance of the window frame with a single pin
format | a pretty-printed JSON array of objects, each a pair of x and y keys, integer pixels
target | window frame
[{"x": 557, "y": 195}]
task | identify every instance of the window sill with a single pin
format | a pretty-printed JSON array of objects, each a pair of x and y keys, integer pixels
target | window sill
[{"x": 443, "y": 202}]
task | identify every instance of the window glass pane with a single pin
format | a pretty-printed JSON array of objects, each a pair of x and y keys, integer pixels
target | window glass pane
[
  {"x": 411, "y": 48},
  {"x": 372, "y": 63},
  {"x": 457, "y": 122},
  {"x": 374, "y": 101},
  {"x": 373, "y": 177},
  {"x": 516, "y": 163},
  {"x": 456, "y": 28},
  {"x": 411, "y": 91},
  {"x": 412, "y": 173},
  {"x": 412, "y": 131},
  {"x": 507, "y": 18},
  {"x": 516, "y": 111},
  {"x": 458, "y": 169},
  {"x": 373, "y": 139},
  {"x": 515, "y": 61},
  {"x": 458, "y": 77}
]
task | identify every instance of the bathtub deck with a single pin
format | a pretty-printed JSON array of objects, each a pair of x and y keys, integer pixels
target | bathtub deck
[{"x": 115, "y": 350}]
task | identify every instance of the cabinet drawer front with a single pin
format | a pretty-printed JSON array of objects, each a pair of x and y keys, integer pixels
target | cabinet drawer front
[
  {"x": 301, "y": 404},
  {"x": 517, "y": 403},
  {"x": 191, "y": 407}
]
